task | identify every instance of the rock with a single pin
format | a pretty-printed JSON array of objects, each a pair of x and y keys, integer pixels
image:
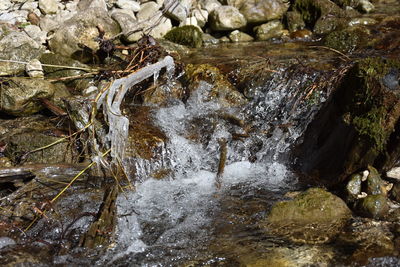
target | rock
[
  {"x": 189, "y": 21},
  {"x": 326, "y": 25},
  {"x": 353, "y": 187},
  {"x": 210, "y": 5},
  {"x": 34, "y": 69},
  {"x": 259, "y": 11},
  {"x": 312, "y": 10},
  {"x": 237, "y": 36},
  {"x": 128, "y": 5},
  {"x": 186, "y": 35},
  {"x": 48, "y": 6},
  {"x": 368, "y": 238},
  {"x": 348, "y": 39},
  {"x": 127, "y": 24},
  {"x": 17, "y": 46},
  {"x": 218, "y": 87},
  {"x": 315, "y": 216},
  {"x": 375, "y": 185},
  {"x": 294, "y": 21},
  {"x": 362, "y": 21},
  {"x": 176, "y": 9},
  {"x": 80, "y": 30},
  {"x": 303, "y": 34},
  {"x": 373, "y": 206},
  {"x": 19, "y": 133},
  {"x": 20, "y": 95},
  {"x": 201, "y": 16},
  {"x": 272, "y": 29},
  {"x": 226, "y": 18},
  {"x": 31, "y": 6},
  {"x": 209, "y": 39},
  {"x": 394, "y": 173},
  {"x": 395, "y": 192},
  {"x": 147, "y": 11},
  {"x": 18, "y": 16},
  {"x": 36, "y": 33},
  {"x": 365, "y": 6},
  {"x": 85, "y": 5},
  {"x": 5, "y": 4},
  {"x": 33, "y": 18}
]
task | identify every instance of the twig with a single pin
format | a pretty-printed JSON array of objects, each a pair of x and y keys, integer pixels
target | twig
[{"x": 331, "y": 49}]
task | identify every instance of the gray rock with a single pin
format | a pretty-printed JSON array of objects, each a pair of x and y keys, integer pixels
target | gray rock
[
  {"x": 5, "y": 4},
  {"x": 272, "y": 29},
  {"x": 209, "y": 39},
  {"x": 238, "y": 36},
  {"x": 236, "y": 3},
  {"x": 210, "y": 5},
  {"x": 48, "y": 24},
  {"x": 19, "y": 95},
  {"x": 259, "y": 11},
  {"x": 81, "y": 29},
  {"x": 176, "y": 10},
  {"x": 148, "y": 11},
  {"x": 17, "y": 46},
  {"x": 14, "y": 16},
  {"x": 6, "y": 241},
  {"x": 86, "y": 5},
  {"x": 36, "y": 33},
  {"x": 201, "y": 16},
  {"x": 226, "y": 18},
  {"x": 30, "y": 6},
  {"x": 34, "y": 69},
  {"x": 48, "y": 6},
  {"x": 128, "y": 4},
  {"x": 189, "y": 21}
]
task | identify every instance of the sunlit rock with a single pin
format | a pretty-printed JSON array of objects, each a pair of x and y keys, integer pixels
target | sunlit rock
[
  {"x": 259, "y": 11},
  {"x": 315, "y": 216},
  {"x": 226, "y": 18},
  {"x": 269, "y": 30}
]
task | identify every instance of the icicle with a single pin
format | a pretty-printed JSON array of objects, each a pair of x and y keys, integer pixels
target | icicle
[{"x": 112, "y": 98}]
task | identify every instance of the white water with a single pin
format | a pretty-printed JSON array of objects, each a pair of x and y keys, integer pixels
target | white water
[{"x": 177, "y": 211}]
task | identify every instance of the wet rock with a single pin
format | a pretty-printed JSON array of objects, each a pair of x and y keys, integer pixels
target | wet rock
[
  {"x": 315, "y": 216},
  {"x": 301, "y": 34},
  {"x": 17, "y": 46},
  {"x": 373, "y": 206},
  {"x": 353, "y": 187},
  {"x": 226, "y": 18},
  {"x": 366, "y": 116},
  {"x": 365, "y": 6},
  {"x": 20, "y": 96},
  {"x": 19, "y": 133},
  {"x": 294, "y": 21},
  {"x": 34, "y": 69},
  {"x": 326, "y": 25},
  {"x": 238, "y": 36},
  {"x": 259, "y": 11},
  {"x": 186, "y": 35},
  {"x": 394, "y": 173},
  {"x": 48, "y": 6},
  {"x": 395, "y": 192},
  {"x": 369, "y": 239},
  {"x": 81, "y": 30},
  {"x": 221, "y": 89},
  {"x": 348, "y": 39},
  {"x": 375, "y": 185},
  {"x": 362, "y": 21},
  {"x": 209, "y": 39},
  {"x": 272, "y": 29},
  {"x": 313, "y": 10}
]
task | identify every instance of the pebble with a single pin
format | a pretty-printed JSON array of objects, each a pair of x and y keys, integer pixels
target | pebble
[
  {"x": 5, "y": 4},
  {"x": 34, "y": 69},
  {"x": 48, "y": 6}
]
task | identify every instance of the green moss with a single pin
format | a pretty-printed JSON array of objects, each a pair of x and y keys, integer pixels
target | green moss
[
  {"x": 346, "y": 40},
  {"x": 186, "y": 35},
  {"x": 309, "y": 11},
  {"x": 370, "y": 124}
]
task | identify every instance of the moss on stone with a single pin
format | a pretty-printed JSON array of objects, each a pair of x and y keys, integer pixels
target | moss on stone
[
  {"x": 346, "y": 40},
  {"x": 186, "y": 35}
]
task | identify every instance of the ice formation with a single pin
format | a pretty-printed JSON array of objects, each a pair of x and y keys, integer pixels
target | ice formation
[{"x": 112, "y": 98}]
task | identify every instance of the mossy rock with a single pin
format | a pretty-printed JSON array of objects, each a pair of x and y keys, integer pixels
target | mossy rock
[
  {"x": 186, "y": 35},
  {"x": 221, "y": 89},
  {"x": 314, "y": 216},
  {"x": 373, "y": 206},
  {"x": 348, "y": 39},
  {"x": 312, "y": 10}
]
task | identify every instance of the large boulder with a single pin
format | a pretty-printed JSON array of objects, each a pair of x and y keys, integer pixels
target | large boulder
[
  {"x": 16, "y": 46},
  {"x": 82, "y": 29},
  {"x": 269, "y": 30},
  {"x": 315, "y": 216},
  {"x": 359, "y": 126},
  {"x": 259, "y": 11},
  {"x": 226, "y": 18}
]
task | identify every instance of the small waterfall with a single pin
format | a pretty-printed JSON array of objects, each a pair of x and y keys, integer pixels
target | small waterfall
[{"x": 172, "y": 218}]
